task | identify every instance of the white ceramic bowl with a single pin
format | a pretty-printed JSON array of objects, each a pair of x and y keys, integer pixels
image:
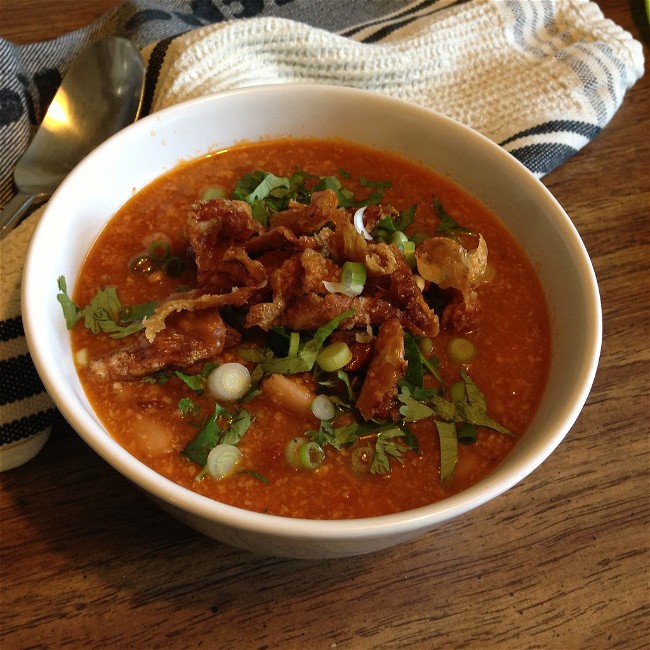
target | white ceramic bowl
[{"x": 109, "y": 176}]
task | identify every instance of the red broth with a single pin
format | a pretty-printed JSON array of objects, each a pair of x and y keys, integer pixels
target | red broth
[{"x": 510, "y": 367}]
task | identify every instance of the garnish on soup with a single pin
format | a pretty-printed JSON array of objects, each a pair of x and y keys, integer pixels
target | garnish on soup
[{"x": 281, "y": 338}]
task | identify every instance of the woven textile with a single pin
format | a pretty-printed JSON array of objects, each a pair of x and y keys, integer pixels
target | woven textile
[{"x": 540, "y": 78}]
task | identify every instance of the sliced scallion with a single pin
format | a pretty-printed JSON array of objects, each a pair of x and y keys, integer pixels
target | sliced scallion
[
  {"x": 466, "y": 433},
  {"x": 223, "y": 461},
  {"x": 457, "y": 392},
  {"x": 334, "y": 357},
  {"x": 302, "y": 453},
  {"x": 362, "y": 458},
  {"x": 353, "y": 276},
  {"x": 159, "y": 250},
  {"x": 294, "y": 343},
  {"x": 359, "y": 225},
  {"x": 425, "y": 345},
  {"x": 229, "y": 381},
  {"x": 213, "y": 193},
  {"x": 291, "y": 450},
  {"x": 398, "y": 237},
  {"x": 461, "y": 350},
  {"x": 408, "y": 250},
  {"x": 311, "y": 455},
  {"x": 173, "y": 266},
  {"x": 323, "y": 408}
]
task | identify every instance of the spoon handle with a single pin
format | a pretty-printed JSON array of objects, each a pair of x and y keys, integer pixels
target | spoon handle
[{"x": 20, "y": 206}]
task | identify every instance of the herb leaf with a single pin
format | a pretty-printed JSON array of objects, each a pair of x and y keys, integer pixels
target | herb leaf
[
  {"x": 411, "y": 409},
  {"x": 305, "y": 359},
  {"x": 212, "y": 434},
  {"x": 475, "y": 412},
  {"x": 104, "y": 313},
  {"x": 447, "y": 223},
  {"x": 188, "y": 407},
  {"x": 238, "y": 427},
  {"x": 387, "y": 444},
  {"x": 448, "y": 448},
  {"x": 71, "y": 312},
  {"x": 414, "y": 372},
  {"x": 206, "y": 439}
]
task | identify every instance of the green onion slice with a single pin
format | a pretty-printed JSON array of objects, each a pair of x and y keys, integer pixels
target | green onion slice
[
  {"x": 302, "y": 453},
  {"x": 229, "y": 381},
  {"x": 311, "y": 455},
  {"x": 408, "y": 250},
  {"x": 334, "y": 357},
  {"x": 223, "y": 461},
  {"x": 159, "y": 250},
  {"x": 294, "y": 343},
  {"x": 457, "y": 392},
  {"x": 213, "y": 193},
  {"x": 461, "y": 350},
  {"x": 353, "y": 279},
  {"x": 362, "y": 458},
  {"x": 323, "y": 408},
  {"x": 173, "y": 266},
  {"x": 353, "y": 276},
  {"x": 398, "y": 237}
]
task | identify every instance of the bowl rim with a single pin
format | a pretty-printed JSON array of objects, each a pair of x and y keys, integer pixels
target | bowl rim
[{"x": 88, "y": 427}]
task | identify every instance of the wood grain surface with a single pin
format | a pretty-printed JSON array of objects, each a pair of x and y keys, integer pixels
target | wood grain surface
[{"x": 560, "y": 561}]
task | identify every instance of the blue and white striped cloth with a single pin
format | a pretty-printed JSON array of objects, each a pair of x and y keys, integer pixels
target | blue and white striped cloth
[{"x": 541, "y": 78}]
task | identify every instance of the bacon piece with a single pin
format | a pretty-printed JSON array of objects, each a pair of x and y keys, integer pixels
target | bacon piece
[
  {"x": 404, "y": 293},
  {"x": 378, "y": 397},
  {"x": 306, "y": 219},
  {"x": 346, "y": 244},
  {"x": 189, "y": 338},
  {"x": 300, "y": 275},
  {"x": 462, "y": 315},
  {"x": 316, "y": 270},
  {"x": 193, "y": 301},
  {"x": 213, "y": 228},
  {"x": 284, "y": 283},
  {"x": 310, "y": 311},
  {"x": 447, "y": 263}
]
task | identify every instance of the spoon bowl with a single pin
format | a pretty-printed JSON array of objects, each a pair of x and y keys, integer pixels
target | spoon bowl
[{"x": 100, "y": 94}]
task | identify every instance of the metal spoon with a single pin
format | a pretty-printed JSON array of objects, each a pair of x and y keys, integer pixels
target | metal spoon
[{"x": 100, "y": 94}]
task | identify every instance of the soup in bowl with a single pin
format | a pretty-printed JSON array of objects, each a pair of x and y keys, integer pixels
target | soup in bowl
[{"x": 311, "y": 329}]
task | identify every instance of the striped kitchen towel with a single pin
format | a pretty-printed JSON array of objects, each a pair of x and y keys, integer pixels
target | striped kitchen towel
[{"x": 539, "y": 78}]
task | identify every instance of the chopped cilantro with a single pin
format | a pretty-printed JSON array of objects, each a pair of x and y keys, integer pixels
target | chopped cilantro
[
  {"x": 254, "y": 474},
  {"x": 104, "y": 313},
  {"x": 222, "y": 427},
  {"x": 474, "y": 410},
  {"x": 338, "y": 438},
  {"x": 399, "y": 224},
  {"x": 447, "y": 223},
  {"x": 414, "y": 371},
  {"x": 188, "y": 407},
  {"x": 387, "y": 444},
  {"x": 267, "y": 193},
  {"x": 306, "y": 357},
  {"x": 456, "y": 421},
  {"x": 448, "y": 448},
  {"x": 197, "y": 381}
]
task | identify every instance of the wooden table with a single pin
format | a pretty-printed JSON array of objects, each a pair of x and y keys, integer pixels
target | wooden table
[{"x": 560, "y": 561}]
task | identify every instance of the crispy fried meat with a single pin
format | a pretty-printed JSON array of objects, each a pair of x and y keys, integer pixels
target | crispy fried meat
[{"x": 277, "y": 276}]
